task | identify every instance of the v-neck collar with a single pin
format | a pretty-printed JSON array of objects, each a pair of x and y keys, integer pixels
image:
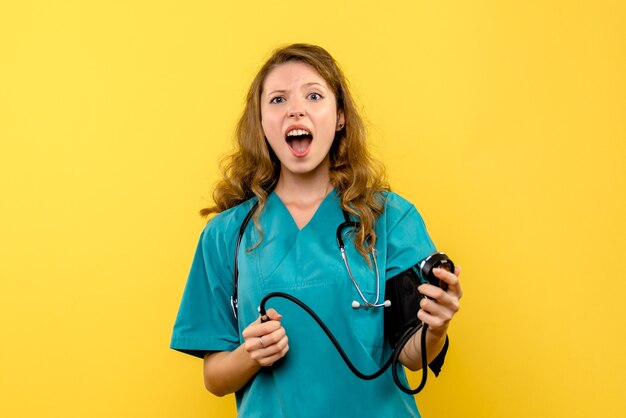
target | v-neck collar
[{"x": 279, "y": 202}]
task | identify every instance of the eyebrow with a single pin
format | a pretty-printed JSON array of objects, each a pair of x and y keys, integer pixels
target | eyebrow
[{"x": 312, "y": 83}]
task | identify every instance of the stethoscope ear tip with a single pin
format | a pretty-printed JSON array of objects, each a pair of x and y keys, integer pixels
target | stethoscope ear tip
[
  {"x": 356, "y": 304},
  {"x": 387, "y": 303}
]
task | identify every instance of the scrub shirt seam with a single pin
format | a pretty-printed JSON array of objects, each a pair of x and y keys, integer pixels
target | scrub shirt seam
[{"x": 399, "y": 221}]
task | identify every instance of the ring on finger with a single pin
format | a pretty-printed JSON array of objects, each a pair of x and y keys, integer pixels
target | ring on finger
[{"x": 261, "y": 341}]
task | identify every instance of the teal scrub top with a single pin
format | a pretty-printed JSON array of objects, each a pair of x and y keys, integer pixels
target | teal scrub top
[{"x": 311, "y": 380}]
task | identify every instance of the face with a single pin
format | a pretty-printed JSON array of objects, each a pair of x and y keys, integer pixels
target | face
[{"x": 299, "y": 117}]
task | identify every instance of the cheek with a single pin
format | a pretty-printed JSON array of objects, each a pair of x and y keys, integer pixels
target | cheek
[
  {"x": 269, "y": 124},
  {"x": 266, "y": 128},
  {"x": 273, "y": 136},
  {"x": 330, "y": 119}
]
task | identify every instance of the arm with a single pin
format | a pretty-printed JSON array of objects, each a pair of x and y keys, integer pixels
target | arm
[
  {"x": 437, "y": 312},
  {"x": 264, "y": 343}
]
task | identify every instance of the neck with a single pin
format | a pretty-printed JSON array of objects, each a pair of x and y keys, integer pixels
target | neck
[{"x": 305, "y": 188}]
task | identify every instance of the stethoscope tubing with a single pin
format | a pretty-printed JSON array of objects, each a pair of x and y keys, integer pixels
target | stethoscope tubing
[
  {"x": 344, "y": 256},
  {"x": 326, "y": 330},
  {"x": 394, "y": 359},
  {"x": 366, "y": 304}
]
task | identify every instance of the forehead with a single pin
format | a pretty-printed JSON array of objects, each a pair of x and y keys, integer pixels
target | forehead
[{"x": 292, "y": 75}]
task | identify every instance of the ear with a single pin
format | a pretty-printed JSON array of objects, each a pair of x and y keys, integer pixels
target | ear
[{"x": 341, "y": 121}]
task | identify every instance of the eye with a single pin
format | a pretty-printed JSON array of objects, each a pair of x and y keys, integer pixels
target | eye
[
  {"x": 314, "y": 96},
  {"x": 277, "y": 99}
]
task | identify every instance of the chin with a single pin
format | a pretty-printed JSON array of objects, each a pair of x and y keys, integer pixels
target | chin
[{"x": 303, "y": 169}]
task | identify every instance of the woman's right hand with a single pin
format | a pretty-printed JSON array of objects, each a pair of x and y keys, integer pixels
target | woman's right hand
[{"x": 266, "y": 342}]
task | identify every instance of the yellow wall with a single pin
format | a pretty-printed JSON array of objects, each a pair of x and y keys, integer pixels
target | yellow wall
[{"x": 503, "y": 121}]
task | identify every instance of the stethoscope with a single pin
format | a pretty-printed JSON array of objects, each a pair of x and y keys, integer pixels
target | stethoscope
[
  {"x": 234, "y": 301},
  {"x": 342, "y": 249}
]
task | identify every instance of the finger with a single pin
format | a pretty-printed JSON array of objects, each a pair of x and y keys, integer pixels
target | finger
[
  {"x": 269, "y": 361},
  {"x": 270, "y": 314},
  {"x": 432, "y": 291},
  {"x": 451, "y": 279},
  {"x": 433, "y": 321},
  {"x": 437, "y": 296},
  {"x": 262, "y": 354},
  {"x": 273, "y": 315},
  {"x": 459, "y": 291},
  {"x": 273, "y": 337},
  {"x": 258, "y": 329},
  {"x": 445, "y": 312},
  {"x": 254, "y": 345}
]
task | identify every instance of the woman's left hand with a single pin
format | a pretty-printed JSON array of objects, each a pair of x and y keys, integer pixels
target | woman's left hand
[{"x": 439, "y": 310}]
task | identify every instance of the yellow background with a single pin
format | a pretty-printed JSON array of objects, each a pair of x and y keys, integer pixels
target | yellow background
[{"x": 505, "y": 123}]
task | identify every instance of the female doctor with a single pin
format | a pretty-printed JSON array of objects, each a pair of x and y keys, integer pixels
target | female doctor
[{"x": 302, "y": 159}]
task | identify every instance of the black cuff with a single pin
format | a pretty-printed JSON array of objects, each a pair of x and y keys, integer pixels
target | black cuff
[{"x": 436, "y": 364}]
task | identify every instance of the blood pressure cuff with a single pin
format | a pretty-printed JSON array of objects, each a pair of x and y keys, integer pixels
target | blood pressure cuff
[{"x": 401, "y": 291}]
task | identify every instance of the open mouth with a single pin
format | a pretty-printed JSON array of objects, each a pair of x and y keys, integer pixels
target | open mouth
[{"x": 299, "y": 140}]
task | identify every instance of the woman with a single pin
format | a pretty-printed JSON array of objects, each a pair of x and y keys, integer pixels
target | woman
[{"x": 302, "y": 160}]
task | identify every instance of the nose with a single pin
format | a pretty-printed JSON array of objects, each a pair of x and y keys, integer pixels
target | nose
[
  {"x": 296, "y": 110},
  {"x": 296, "y": 113}
]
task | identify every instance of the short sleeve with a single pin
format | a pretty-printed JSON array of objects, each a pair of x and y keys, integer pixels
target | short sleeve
[
  {"x": 205, "y": 321},
  {"x": 408, "y": 241}
]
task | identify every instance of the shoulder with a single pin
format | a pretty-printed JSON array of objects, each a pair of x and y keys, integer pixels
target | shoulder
[
  {"x": 397, "y": 208},
  {"x": 226, "y": 224},
  {"x": 396, "y": 203}
]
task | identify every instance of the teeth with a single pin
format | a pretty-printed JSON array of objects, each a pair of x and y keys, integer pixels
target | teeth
[{"x": 298, "y": 132}]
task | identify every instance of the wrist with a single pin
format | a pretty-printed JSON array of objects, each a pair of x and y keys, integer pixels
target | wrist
[{"x": 437, "y": 333}]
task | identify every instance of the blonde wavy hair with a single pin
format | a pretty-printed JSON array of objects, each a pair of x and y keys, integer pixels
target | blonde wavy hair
[{"x": 252, "y": 170}]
